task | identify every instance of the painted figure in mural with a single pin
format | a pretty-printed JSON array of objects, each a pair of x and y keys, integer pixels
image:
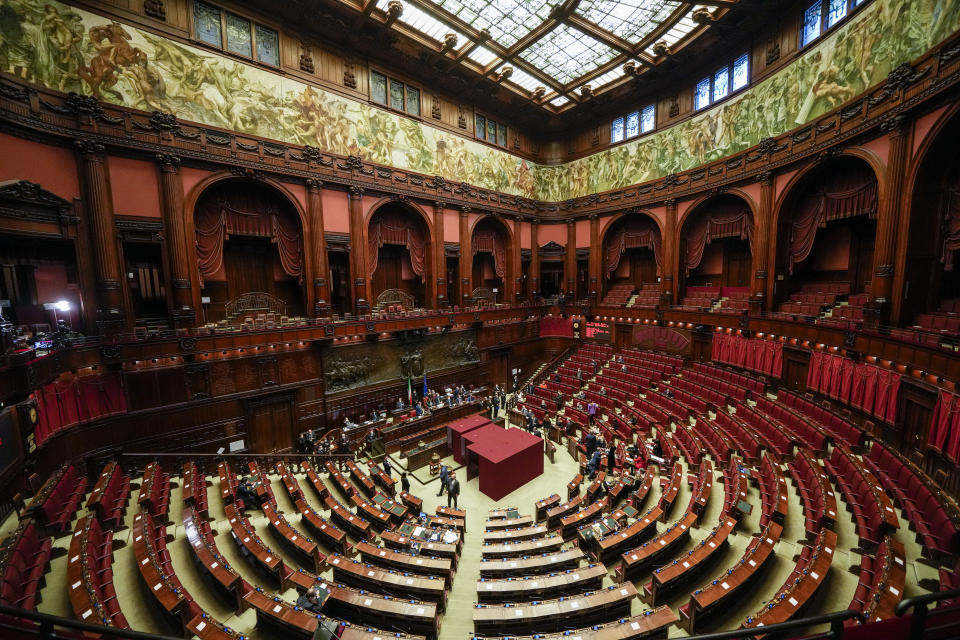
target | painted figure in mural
[
  {"x": 114, "y": 52},
  {"x": 58, "y": 57}
]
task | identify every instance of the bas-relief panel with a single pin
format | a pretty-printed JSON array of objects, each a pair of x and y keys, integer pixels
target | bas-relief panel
[
  {"x": 69, "y": 49},
  {"x": 370, "y": 363}
]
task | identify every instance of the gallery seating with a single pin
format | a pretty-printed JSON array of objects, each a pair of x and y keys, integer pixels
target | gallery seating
[{"x": 57, "y": 500}]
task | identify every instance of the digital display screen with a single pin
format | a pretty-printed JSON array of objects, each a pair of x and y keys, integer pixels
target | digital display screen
[{"x": 597, "y": 330}]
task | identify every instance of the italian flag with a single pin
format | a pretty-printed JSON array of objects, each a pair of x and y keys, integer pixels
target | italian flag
[{"x": 409, "y": 392}]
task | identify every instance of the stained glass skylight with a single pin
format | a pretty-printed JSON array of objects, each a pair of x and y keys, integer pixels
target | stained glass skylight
[
  {"x": 565, "y": 53},
  {"x": 554, "y": 44},
  {"x": 506, "y": 20},
  {"x": 631, "y": 20}
]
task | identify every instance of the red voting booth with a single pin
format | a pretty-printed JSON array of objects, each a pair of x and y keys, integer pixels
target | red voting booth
[
  {"x": 505, "y": 459},
  {"x": 457, "y": 430}
]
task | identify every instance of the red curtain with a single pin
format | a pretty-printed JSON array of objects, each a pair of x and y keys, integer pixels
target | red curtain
[
  {"x": 945, "y": 429},
  {"x": 951, "y": 227},
  {"x": 842, "y": 196},
  {"x": 245, "y": 212},
  {"x": 394, "y": 227},
  {"x": 75, "y": 399},
  {"x": 733, "y": 221},
  {"x": 857, "y": 386},
  {"x": 490, "y": 241},
  {"x": 763, "y": 356},
  {"x": 815, "y": 370},
  {"x": 636, "y": 234},
  {"x": 869, "y": 388}
]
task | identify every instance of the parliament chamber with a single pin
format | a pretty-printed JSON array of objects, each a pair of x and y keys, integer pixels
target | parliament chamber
[{"x": 583, "y": 319}]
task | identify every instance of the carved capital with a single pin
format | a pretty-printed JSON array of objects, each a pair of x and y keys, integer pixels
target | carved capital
[
  {"x": 89, "y": 148},
  {"x": 593, "y": 217},
  {"x": 355, "y": 192},
  {"x": 464, "y": 211},
  {"x": 670, "y": 202},
  {"x": 895, "y": 125},
  {"x": 439, "y": 205},
  {"x": 168, "y": 163},
  {"x": 314, "y": 184},
  {"x": 765, "y": 178}
]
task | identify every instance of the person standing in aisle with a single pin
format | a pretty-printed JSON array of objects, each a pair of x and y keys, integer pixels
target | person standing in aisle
[{"x": 453, "y": 489}]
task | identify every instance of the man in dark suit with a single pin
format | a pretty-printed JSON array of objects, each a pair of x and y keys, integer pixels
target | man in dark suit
[
  {"x": 404, "y": 482},
  {"x": 444, "y": 478},
  {"x": 453, "y": 489},
  {"x": 590, "y": 440}
]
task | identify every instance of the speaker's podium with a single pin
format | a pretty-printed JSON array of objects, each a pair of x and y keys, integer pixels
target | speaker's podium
[{"x": 505, "y": 459}]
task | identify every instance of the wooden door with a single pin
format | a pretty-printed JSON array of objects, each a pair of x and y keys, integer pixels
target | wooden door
[
  {"x": 270, "y": 423},
  {"x": 736, "y": 264}
]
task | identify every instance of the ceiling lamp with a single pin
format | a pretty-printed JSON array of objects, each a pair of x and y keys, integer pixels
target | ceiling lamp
[{"x": 394, "y": 11}]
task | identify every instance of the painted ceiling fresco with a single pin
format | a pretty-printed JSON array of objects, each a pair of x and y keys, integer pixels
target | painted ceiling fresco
[{"x": 69, "y": 49}]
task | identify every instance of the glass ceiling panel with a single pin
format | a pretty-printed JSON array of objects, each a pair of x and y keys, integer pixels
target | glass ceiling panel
[
  {"x": 482, "y": 55},
  {"x": 678, "y": 31},
  {"x": 506, "y": 20},
  {"x": 424, "y": 22},
  {"x": 631, "y": 20},
  {"x": 523, "y": 79},
  {"x": 608, "y": 77},
  {"x": 566, "y": 54},
  {"x": 559, "y": 101}
]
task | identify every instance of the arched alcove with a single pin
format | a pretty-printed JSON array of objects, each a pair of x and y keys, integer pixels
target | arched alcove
[
  {"x": 631, "y": 260},
  {"x": 398, "y": 257},
  {"x": 491, "y": 267},
  {"x": 715, "y": 252},
  {"x": 826, "y": 230},
  {"x": 249, "y": 240}
]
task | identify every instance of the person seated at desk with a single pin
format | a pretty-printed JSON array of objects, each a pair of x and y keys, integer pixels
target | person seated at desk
[
  {"x": 580, "y": 395},
  {"x": 310, "y": 600},
  {"x": 247, "y": 491},
  {"x": 619, "y": 359},
  {"x": 594, "y": 464},
  {"x": 418, "y": 409},
  {"x": 400, "y": 405},
  {"x": 347, "y": 424}
]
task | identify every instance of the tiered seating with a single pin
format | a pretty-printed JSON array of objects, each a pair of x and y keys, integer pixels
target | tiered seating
[
  {"x": 155, "y": 491},
  {"x": 734, "y": 299},
  {"x": 839, "y": 429},
  {"x": 713, "y": 441},
  {"x": 689, "y": 445},
  {"x": 24, "y": 560},
  {"x": 802, "y": 432},
  {"x": 90, "y": 575},
  {"x": 882, "y": 578},
  {"x": 195, "y": 488},
  {"x": 771, "y": 433},
  {"x": 757, "y": 387},
  {"x": 108, "y": 500},
  {"x": 618, "y": 295},
  {"x": 945, "y": 321},
  {"x": 744, "y": 440},
  {"x": 773, "y": 492},
  {"x": 814, "y": 297},
  {"x": 648, "y": 296},
  {"x": 819, "y": 501},
  {"x": 734, "y": 487},
  {"x": 937, "y": 528},
  {"x": 873, "y": 512},
  {"x": 719, "y": 389},
  {"x": 56, "y": 502},
  {"x": 700, "y": 296}
]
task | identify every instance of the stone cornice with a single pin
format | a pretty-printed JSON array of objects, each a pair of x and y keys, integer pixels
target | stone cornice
[{"x": 25, "y": 110}]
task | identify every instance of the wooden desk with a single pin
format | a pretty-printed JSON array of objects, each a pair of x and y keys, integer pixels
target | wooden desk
[
  {"x": 346, "y": 489},
  {"x": 103, "y": 481},
  {"x": 615, "y": 543},
  {"x": 796, "y": 593},
  {"x": 508, "y": 523},
  {"x": 370, "y": 512},
  {"x": 554, "y": 615},
  {"x": 384, "y": 557},
  {"x": 651, "y": 552},
  {"x": 569, "y": 524},
  {"x": 290, "y": 482},
  {"x": 529, "y": 588},
  {"x": 448, "y": 512},
  {"x": 440, "y": 522},
  {"x": 437, "y": 549},
  {"x": 533, "y": 565},
  {"x": 556, "y": 514},
  {"x": 542, "y": 506},
  {"x": 411, "y": 616},
  {"x": 232, "y": 586},
  {"x": 703, "y": 601},
  {"x": 228, "y": 482},
  {"x": 366, "y": 576},
  {"x": 670, "y": 577},
  {"x": 83, "y": 595},
  {"x": 206, "y": 628},
  {"x": 247, "y": 539},
  {"x": 892, "y": 576},
  {"x": 298, "y": 545},
  {"x": 419, "y": 457},
  {"x": 281, "y": 615},
  {"x": 318, "y": 486},
  {"x": 650, "y": 625},
  {"x": 397, "y": 512},
  {"x": 360, "y": 479},
  {"x": 165, "y": 591},
  {"x": 521, "y": 548},
  {"x": 670, "y": 492},
  {"x": 514, "y": 535},
  {"x": 412, "y": 501},
  {"x": 357, "y": 526},
  {"x": 328, "y": 534}
]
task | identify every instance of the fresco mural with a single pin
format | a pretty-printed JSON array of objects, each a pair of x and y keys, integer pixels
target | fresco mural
[{"x": 69, "y": 49}]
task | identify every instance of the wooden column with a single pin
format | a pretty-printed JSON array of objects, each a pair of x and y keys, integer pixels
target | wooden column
[
  {"x": 594, "y": 263},
  {"x": 321, "y": 261},
  {"x": 534, "y": 259},
  {"x": 671, "y": 251},
  {"x": 466, "y": 257},
  {"x": 439, "y": 256},
  {"x": 108, "y": 270},
  {"x": 182, "y": 312},
  {"x": 570, "y": 260},
  {"x": 761, "y": 244},
  {"x": 516, "y": 261},
  {"x": 888, "y": 216},
  {"x": 358, "y": 252}
]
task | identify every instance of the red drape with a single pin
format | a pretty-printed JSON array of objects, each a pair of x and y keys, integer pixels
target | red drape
[
  {"x": 815, "y": 370},
  {"x": 869, "y": 387},
  {"x": 393, "y": 227},
  {"x": 945, "y": 428},
  {"x": 733, "y": 221},
  {"x": 75, "y": 399},
  {"x": 247, "y": 212},
  {"x": 489, "y": 241},
  {"x": 758, "y": 355},
  {"x": 636, "y": 234},
  {"x": 857, "y": 386},
  {"x": 842, "y": 196}
]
